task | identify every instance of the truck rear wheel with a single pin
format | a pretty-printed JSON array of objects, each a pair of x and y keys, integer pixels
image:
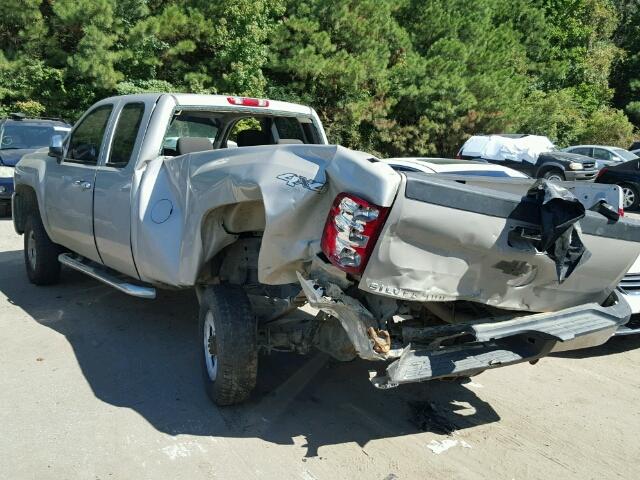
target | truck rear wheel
[
  {"x": 228, "y": 335},
  {"x": 40, "y": 253}
]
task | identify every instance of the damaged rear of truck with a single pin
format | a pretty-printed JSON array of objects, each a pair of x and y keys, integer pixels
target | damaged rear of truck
[
  {"x": 429, "y": 276},
  {"x": 448, "y": 288},
  {"x": 292, "y": 244}
]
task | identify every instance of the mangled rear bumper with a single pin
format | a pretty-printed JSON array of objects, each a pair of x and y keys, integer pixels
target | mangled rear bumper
[
  {"x": 498, "y": 344},
  {"x": 494, "y": 344}
]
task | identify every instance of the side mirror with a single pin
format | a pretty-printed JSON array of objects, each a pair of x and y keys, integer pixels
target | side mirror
[{"x": 56, "y": 149}]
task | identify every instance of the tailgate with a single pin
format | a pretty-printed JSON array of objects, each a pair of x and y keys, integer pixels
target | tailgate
[{"x": 445, "y": 240}]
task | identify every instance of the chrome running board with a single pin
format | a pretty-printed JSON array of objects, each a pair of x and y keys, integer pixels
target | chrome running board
[{"x": 104, "y": 275}]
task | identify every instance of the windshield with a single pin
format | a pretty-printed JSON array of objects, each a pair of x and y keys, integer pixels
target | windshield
[
  {"x": 15, "y": 136},
  {"x": 625, "y": 154}
]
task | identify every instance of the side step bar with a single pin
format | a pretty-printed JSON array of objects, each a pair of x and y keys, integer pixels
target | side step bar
[{"x": 102, "y": 273}]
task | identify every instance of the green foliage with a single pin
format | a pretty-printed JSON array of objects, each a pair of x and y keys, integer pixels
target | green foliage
[
  {"x": 608, "y": 127},
  {"x": 143, "y": 86},
  {"x": 30, "y": 108},
  {"x": 327, "y": 55},
  {"x": 393, "y": 77},
  {"x": 626, "y": 74},
  {"x": 555, "y": 114}
]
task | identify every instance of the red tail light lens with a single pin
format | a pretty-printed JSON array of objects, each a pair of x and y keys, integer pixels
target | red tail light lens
[
  {"x": 601, "y": 172},
  {"x": 351, "y": 231},
  {"x": 248, "y": 102}
]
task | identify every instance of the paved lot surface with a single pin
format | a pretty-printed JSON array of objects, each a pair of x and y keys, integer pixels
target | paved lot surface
[{"x": 98, "y": 385}]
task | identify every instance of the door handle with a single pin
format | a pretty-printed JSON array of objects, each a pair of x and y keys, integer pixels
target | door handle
[{"x": 82, "y": 184}]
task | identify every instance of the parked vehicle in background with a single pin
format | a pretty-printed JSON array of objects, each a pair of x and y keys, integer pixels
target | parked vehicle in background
[
  {"x": 630, "y": 289},
  {"x": 627, "y": 176},
  {"x": 431, "y": 276},
  {"x": 634, "y": 146},
  {"x": 447, "y": 165},
  {"x": 602, "y": 154},
  {"x": 534, "y": 155},
  {"x": 20, "y": 135}
]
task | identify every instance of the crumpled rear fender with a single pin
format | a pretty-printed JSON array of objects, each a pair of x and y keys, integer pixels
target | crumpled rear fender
[{"x": 190, "y": 207}]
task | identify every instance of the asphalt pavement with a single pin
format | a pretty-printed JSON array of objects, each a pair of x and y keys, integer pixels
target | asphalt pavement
[{"x": 98, "y": 385}]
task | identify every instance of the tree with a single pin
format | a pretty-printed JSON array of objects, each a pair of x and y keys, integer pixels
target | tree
[
  {"x": 340, "y": 57},
  {"x": 626, "y": 74},
  {"x": 393, "y": 77},
  {"x": 608, "y": 126}
]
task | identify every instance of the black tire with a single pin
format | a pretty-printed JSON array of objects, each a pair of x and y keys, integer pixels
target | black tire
[
  {"x": 554, "y": 174},
  {"x": 627, "y": 191},
  {"x": 40, "y": 253},
  {"x": 234, "y": 341}
]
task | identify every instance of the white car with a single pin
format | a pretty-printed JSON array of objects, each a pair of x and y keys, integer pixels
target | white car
[
  {"x": 447, "y": 165},
  {"x": 630, "y": 289}
]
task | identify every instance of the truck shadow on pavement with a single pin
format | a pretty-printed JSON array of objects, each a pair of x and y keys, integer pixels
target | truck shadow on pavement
[
  {"x": 144, "y": 355},
  {"x": 613, "y": 346}
]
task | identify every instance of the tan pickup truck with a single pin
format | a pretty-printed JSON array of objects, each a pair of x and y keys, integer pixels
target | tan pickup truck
[{"x": 293, "y": 244}]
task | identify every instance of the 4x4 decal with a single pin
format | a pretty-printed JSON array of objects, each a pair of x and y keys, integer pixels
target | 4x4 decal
[{"x": 294, "y": 179}]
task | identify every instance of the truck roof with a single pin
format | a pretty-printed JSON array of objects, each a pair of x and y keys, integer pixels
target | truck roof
[{"x": 197, "y": 100}]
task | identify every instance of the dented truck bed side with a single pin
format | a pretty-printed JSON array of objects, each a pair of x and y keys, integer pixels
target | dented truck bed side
[{"x": 447, "y": 241}]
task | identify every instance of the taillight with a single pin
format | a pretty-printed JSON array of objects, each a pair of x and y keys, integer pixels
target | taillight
[
  {"x": 248, "y": 102},
  {"x": 601, "y": 172},
  {"x": 351, "y": 231}
]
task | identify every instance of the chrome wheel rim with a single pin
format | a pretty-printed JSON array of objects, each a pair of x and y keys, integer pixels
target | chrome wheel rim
[
  {"x": 555, "y": 177},
  {"x": 628, "y": 197},
  {"x": 210, "y": 356},
  {"x": 31, "y": 250}
]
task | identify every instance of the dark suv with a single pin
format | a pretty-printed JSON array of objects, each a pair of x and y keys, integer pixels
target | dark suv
[
  {"x": 20, "y": 135},
  {"x": 531, "y": 154}
]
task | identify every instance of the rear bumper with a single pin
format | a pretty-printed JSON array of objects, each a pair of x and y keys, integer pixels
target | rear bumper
[
  {"x": 574, "y": 175},
  {"x": 498, "y": 344},
  {"x": 480, "y": 346}
]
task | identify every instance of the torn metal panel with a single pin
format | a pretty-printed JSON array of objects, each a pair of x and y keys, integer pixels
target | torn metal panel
[
  {"x": 354, "y": 318},
  {"x": 560, "y": 211},
  {"x": 445, "y": 241}
]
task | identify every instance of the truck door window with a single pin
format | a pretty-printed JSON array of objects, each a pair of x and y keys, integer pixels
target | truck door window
[
  {"x": 124, "y": 138},
  {"x": 86, "y": 140}
]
